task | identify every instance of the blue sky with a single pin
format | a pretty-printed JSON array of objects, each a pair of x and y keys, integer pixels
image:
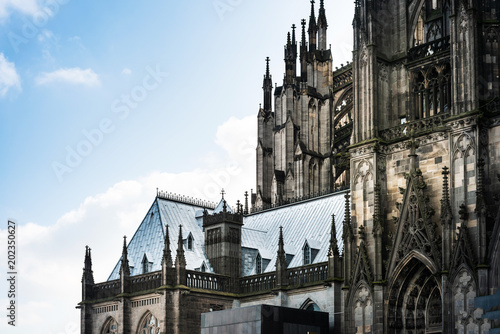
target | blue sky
[{"x": 103, "y": 101}]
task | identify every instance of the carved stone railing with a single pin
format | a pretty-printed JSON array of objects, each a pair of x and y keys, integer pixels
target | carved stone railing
[
  {"x": 429, "y": 49},
  {"x": 258, "y": 283},
  {"x": 419, "y": 126},
  {"x": 308, "y": 274},
  {"x": 208, "y": 281},
  {"x": 107, "y": 289},
  {"x": 315, "y": 273},
  {"x": 147, "y": 281}
]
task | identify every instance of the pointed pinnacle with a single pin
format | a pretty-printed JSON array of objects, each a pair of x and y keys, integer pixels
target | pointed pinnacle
[{"x": 179, "y": 241}]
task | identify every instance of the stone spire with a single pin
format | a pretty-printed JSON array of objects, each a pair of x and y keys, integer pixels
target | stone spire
[
  {"x": 303, "y": 53},
  {"x": 348, "y": 233},
  {"x": 377, "y": 233},
  {"x": 334, "y": 247},
  {"x": 267, "y": 87},
  {"x": 481, "y": 212},
  {"x": 313, "y": 29},
  {"x": 180, "y": 261},
  {"x": 290, "y": 58},
  {"x": 446, "y": 220},
  {"x": 88, "y": 276},
  {"x": 246, "y": 203},
  {"x": 446, "y": 212},
  {"x": 167, "y": 253},
  {"x": 281, "y": 261},
  {"x": 124, "y": 268},
  {"x": 322, "y": 26},
  {"x": 348, "y": 238},
  {"x": 334, "y": 264}
]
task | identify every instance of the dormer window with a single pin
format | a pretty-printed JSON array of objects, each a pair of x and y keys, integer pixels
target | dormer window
[
  {"x": 310, "y": 250},
  {"x": 203, "y": 268},
  {"x": 307, "y": 254},
  {"x": 189, "y": 242},
  {"x": 258, "y": 264},
  {"x": 147, "y": 265}
]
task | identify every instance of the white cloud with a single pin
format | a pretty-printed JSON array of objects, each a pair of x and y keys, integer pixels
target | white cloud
[
  {"x": 8, "y": 76},
  {"x": 74, "y": 75},
  {"x": 24, "y": 6},
  {"x": 51, "y": 257},
  {"x": 126, "y": 71}
]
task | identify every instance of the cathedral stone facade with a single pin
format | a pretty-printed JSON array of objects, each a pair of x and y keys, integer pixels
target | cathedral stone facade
[{"x": 378, "y": 190}]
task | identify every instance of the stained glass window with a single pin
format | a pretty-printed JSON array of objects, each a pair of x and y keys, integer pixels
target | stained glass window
[
  {"x": 111, "y": 327},
  {"x": 151, "y": 325}
]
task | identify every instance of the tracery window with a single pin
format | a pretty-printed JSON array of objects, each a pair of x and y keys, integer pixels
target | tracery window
[
  {"x": 313, "y": 307},
  {"x": 363, "y": 311},
  {"x": 432, "y": 22},
  {"x": 431, "y": 90},
  {"x": 111, "y": 327},
  {"x": 150, "y": 325}
]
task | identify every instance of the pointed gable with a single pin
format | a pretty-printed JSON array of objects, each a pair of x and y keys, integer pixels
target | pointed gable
[
  {"x": 463, "y": 252},
  {"x": 415, "y": 230}
]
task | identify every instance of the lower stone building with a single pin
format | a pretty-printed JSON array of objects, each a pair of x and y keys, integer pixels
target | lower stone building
[{"x": 223, "y": 259}]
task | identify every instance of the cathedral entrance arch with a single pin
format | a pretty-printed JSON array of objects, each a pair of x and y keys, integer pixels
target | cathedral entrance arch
[{"x": 414, "y": 304}]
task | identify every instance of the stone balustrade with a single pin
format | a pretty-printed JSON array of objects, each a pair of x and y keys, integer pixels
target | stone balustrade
[{"x": 208, "y": 281}]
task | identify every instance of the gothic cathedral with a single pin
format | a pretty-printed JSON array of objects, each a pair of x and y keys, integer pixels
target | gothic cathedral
[{"x": 377, "y": 198}]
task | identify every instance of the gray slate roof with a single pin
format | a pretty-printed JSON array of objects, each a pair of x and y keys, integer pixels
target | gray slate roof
[
  {"x": 308, "y": 220},
  {"x": 149, "y": 237}
]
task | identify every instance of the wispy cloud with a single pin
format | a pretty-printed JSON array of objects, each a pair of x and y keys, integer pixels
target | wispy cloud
[
  {"x": 51, "y": 278},
  {"x": 29, "y": 7},
  {"x": 126, "y": 71},
  {"x": 75, "y": 76},
  {"x": 8, "y": 76}
]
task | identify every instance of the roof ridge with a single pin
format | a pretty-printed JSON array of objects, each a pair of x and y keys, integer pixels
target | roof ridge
[{"x": 185, "y": 199}]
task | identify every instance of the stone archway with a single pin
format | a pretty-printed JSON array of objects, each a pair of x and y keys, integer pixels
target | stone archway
[{"x": 414, "y": 304}]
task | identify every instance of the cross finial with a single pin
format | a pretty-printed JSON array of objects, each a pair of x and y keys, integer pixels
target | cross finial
[{"x": 222, "y": 193}]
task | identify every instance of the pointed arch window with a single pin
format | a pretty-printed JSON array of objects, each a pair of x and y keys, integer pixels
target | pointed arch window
[
  {"x": 150, "y": 325},
  {"x": 111, "y": 327},
  {"x": 258, "y": 264},
  {"x": 312, "y": 307},
  {"x": 190, "y": 242},
  {"x": 307, "y": 254}
]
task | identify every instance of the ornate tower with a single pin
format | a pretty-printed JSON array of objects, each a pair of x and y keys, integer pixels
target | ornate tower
[
  {"x": 294, "y": 149},
  {"x": 223, "y": 241},
  {"x": 418, "y": 111}
]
